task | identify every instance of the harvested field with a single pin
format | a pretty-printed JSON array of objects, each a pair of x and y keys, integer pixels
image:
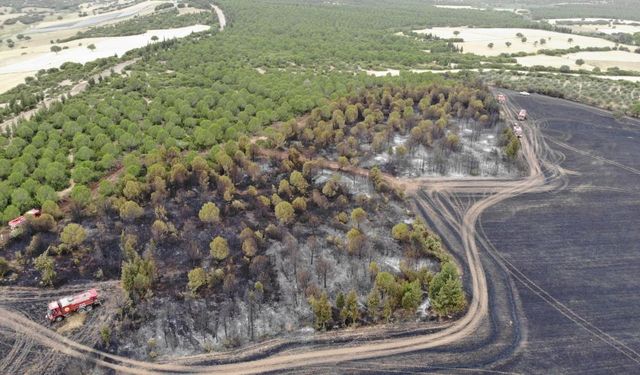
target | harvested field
[
  {"x": 608, "y": 59},
  {"x": 600, "y": 59},
  {"x": 552, "y": 61},
  {"x": 17, "y": 68},
  {"x": 606, "y": 29},
  {"x": 476, "y": 40},
  {"x": 554, "y": 21}
]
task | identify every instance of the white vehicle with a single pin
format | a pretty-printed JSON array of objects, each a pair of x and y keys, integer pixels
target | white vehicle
[
  {"x": 522, "y": 115},
  {"x": 517, "y": 130},
  {"x": 524, "y": 93}
]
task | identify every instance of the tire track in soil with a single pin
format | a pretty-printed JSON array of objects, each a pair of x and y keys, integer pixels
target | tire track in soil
[
  {"x": 20, "y": 349},
  {"x": 45, "y": 360}
]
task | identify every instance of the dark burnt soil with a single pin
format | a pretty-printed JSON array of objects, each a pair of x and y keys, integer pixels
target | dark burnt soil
[{"x": 581, "y": 245}]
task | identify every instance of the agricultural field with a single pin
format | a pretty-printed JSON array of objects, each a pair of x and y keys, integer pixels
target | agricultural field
[
  {"x": 493, "y": 41},
  {"x": 553, "y": 9},
  {"x": 52, "y": 68}
]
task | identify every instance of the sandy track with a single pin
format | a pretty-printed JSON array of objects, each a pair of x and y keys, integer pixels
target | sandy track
[{"x": 222, "y": 20}]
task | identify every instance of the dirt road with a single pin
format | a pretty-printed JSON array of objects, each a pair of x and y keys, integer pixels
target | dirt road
[{"x": 222, "y": 20}]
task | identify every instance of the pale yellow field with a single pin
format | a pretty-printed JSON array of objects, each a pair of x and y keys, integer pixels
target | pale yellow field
[
  {"x": 608, "y": 59},
  {"x": 553, "y": 21},
  {"x": 28, "y": 56},
  {"x": 606, "y": 29},
  {"x": 6, "y": 16},
  {"x": 476, "y": 40},
  {"x": 11, "y": 80},
  {"x": 37, "y": 9},
  {"x": 552, "y": 61},
  {"x": 603, "y": 60},
  {"x": 458, "y": 7},
  {"x": 189, "y": 10},
  {"x": 140, "y": 9}
]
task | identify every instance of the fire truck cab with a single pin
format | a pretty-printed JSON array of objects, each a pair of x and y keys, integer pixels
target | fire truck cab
[{"x": 522, "y": 115}]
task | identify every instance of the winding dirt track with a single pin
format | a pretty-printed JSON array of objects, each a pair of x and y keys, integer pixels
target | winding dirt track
[
  {"x": 222, "y": 20},
  {"x": 495, "y": 192}
]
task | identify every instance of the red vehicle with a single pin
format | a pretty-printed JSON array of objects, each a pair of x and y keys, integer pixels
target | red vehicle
[
  {"x": 60, "y": 309},
  {"x": 502, "y": 99},
  {"x": 17, "y": 222},
  {"x": 522, "y": 115}
]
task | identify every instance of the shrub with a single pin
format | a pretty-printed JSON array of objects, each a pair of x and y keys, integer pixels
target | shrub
[
  {"x": 219, "y": 248},
  {"x": 73, "y": 235},
  {"x": 400, "y": 232},
  {"x": 197, "y": 278},
  {"x": 284, "y": 212},
  {"x": 4, "y": 266},
  {"x": 105, "y": 334},
  {"x": 45, "y": 264},
  {"x": 130, "y": 210},
  {"x": 445, "y": 291},
  {"x": 43, "y": 223},
  {"x": 209, "y": 213}
]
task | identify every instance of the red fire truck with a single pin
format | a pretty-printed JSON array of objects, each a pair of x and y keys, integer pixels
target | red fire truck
[
  {"x": 17, "y": 222},
  {"x": 83, "y": 302},
  {"x": 522, "y": 115}
]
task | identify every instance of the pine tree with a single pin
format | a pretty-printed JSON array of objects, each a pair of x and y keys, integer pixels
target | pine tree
[
  {"x": 321, "y": 310},
  {"x": 446, "y": 292},
  {"x": 219, "y": 248},
  {"x": 373, "y": 304},
  {"x": 350, "y": 311}
]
